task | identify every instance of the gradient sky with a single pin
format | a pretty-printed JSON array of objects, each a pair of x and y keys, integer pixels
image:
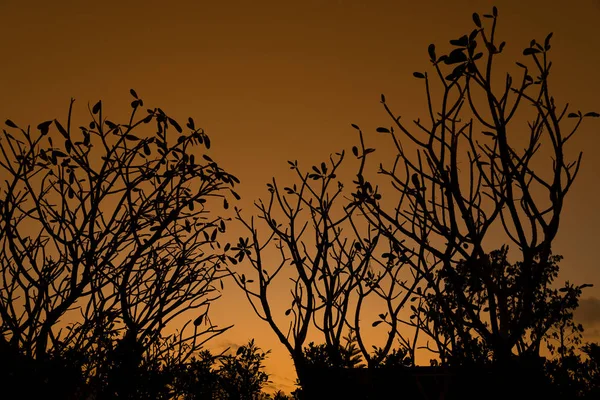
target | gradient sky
[{"x": 276, "y": 80}]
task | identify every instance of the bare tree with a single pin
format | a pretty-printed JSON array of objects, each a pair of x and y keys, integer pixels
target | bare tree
[
  {"x": 334, "y": 261},
  {"x": 473, "y": 171},
  {"x": 108, "y": 234}
]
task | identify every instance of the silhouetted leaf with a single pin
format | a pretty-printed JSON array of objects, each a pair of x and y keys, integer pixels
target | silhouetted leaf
[
  {"x": 355, "y": 151},
  {"x": 592, "y": 114},
  {"x": 198, "y": 320},
  {"x": 191, "y": 124},
  {"x": 477, "y": 20},
  {"x": 431, "y": 51},
  {"x": 456, "y": 56},
  {"x": 131, "y": 137},
  {"x": 473, "y": 35},
  {"x": 44, "y": 127},
  {"x": 462, "y": 41},
  {"x": 376, "y": 323},
  {"x": 529, "y": 51},
  {"x": 10, "y": 123},
  {"x": 61, "y": 129},
  {"x": 175, "y": 124},
  {"x": 288, "y": 311},
  {"x": 96, "y": 108},
  {"x": 382, "y": 98},
  {"x": 521, "y": 65},
  {"x": 355, "y": 126},
  {"x": 419, "y": 75},
  {"x": 495, "y": 11},
  {"x": 573, "y": 115},
  {"x": 133, "y": 93},
  {"x": 383, "y": 130},
  {"x": 547, "y": 41}
]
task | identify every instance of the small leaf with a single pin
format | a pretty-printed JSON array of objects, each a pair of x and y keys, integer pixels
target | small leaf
[
  {"x": 198, "y": 320},
  {"x": 376, "y": 323},
  {"x": 431, "y": 51},
  {"x": 191, "y": 124},
  {"x": 175, "y": 124},
  {"x": 495, "y": 11},
  {"x": 132, "y": 137},
  {"x": 477, "y": 20},
  {"x": 133, "y": 93},
  {"x": 592, "y": 114},
  {"x": 529, "y": 51},
  {"x": 288, "y": 311},
  {"x": 573, "y": 115},
  {"x": 10, "y": 123},
  {"x": 382, "y": 98},
  {"x": 419, "y": 75},
  {"x": 96, "y": 108},
  {"x": 355, "y": 151},
  {"x": 355, "y": 126},
  {"x": 383, "y": 130},
  {"x": 61, "y": 129},
  {"x": 463, "y": 41},
  {"x": 455, "y": 57},
  {"x": 547, "y": 41},
  {"x": 44, "y": 127}
]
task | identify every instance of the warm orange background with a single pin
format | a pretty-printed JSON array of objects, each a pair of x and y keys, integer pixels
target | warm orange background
[{"x": 278, "y": 80}]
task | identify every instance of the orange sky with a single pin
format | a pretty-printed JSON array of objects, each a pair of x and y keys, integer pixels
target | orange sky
[{"x": 276, "y": 80}]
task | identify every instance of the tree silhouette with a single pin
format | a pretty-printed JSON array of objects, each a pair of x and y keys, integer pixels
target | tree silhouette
[
  {"x": 106, "y": 236},
  {"x": 459, "y": 175},
  {"x": 331, "y": 257},
  {"x": 472, "y": 172}
]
